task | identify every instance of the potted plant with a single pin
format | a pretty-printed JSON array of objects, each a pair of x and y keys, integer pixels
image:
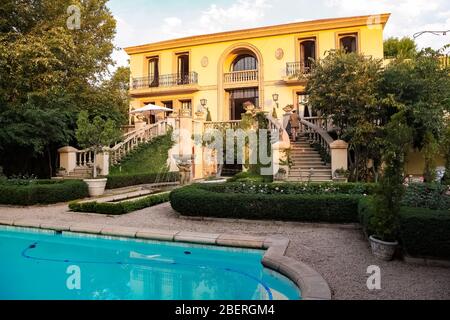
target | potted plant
[
  {"x": 385, "y": 222},
  {"x": 341, "y": 174},
  {"x": 281, "y": 175},
  {"x": 60, "y": 172},
  {"x": 96, "y": 135}
]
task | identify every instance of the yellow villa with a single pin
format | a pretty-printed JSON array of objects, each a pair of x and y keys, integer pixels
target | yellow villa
[
  {"x": 261, "y": 65},
  {"x": 210, "y": 79}
]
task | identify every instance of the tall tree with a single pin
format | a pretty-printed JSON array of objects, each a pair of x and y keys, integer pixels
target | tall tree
[
  {"x": 345, "y": 87},
  {"x": 48, "y": 73},
  {"x": 404, "y": 48}
]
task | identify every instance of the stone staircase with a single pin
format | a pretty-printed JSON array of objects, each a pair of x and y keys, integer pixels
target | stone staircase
[{"x": 307, "y": 164}]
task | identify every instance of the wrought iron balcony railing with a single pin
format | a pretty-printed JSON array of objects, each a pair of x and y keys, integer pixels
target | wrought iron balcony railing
[
  {"x": 298, "y": 69},
  {"x": 166, "y": 80}
]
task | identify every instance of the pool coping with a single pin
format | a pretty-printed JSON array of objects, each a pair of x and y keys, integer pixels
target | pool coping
[{"x": 311, "y": 284}]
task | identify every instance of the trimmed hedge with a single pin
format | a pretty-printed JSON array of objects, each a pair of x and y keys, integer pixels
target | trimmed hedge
[
  {"x": 423, "y": 232},
  {"x": 292, "y": 188},
  {"x": 119, "y": 208},
  {"x": 126, "y": 180},
  {"x": 42, "y": 192},
  {"x": 198, "y": 200}
]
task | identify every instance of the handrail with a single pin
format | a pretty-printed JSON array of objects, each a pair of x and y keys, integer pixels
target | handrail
[{"x": 316, "y": 134}]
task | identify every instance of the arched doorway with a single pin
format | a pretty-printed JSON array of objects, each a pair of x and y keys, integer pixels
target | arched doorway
[{"x": 240, "y": 80}]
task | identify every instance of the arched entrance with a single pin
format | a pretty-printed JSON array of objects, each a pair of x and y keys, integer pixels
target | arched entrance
[{"x": 240, "y": 72}]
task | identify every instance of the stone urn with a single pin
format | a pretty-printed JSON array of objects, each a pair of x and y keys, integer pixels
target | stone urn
[
  {"x": 96, "y": 187},
  {"x": 383, "y": 250},
  {"x": 249, "y": 107},
  {"x": 184, "y": 164},
  {"x": 288, "y": 108}
]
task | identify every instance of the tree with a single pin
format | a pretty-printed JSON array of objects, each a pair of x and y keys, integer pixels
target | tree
[
  {"x": 96, "y": 134},
  {"x": 420, "y": 87},
  {"x": 345, "y": 87},
  {"x": 404, "y": 48},
  {"x": 390, "y": 190},
  {"x": 48, "y": 74}
]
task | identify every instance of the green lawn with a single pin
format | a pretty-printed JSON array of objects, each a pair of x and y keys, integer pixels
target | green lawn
[{"x": 147, "y": 158}]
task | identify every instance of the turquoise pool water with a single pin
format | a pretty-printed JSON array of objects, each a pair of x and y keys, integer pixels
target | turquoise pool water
[{"x": 47, "y": 265}]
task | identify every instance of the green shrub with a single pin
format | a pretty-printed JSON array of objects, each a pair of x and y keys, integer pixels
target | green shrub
[
  {"x": 251, "y": 187},
  {"x": 426, "y": 195},
  {"x": 422, "y": 232},
  {"x": 31, "y": 192},
  {"x": 119, "y": 208},
  {"x": 250, "y": 177},
  {"x": 125, "y": 180},
  {"x": 199, "y": 200}
]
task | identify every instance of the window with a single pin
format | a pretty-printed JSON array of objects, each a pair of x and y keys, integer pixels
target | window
[
  {"x": 153, "y": 72},
  {"x": 307, "y": 53},
  {"x": 169, "y": 105},
  {"x": 186, "y": 105},
  {"x": 183, "y": 68},
  {"x": 244, "y": 62},
  {"x": 348, "y": 42}
]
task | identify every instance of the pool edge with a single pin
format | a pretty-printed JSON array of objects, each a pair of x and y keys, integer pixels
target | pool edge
[{"x": 311, "y": 284}]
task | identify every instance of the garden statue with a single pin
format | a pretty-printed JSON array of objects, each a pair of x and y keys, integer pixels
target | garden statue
[{"x": 184, "y": 164}]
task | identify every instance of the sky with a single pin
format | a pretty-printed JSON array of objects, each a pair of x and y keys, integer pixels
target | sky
[{"x": 146, "y": 21}]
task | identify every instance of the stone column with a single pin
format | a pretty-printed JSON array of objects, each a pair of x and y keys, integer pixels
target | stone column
[
  {"x": 68, "y": 158},
  {"x": 103, "y": 162},
  {"x": 339, "y": 155}
]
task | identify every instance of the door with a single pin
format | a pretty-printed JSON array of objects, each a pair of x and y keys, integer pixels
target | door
[{"x": 238, "y": 98}]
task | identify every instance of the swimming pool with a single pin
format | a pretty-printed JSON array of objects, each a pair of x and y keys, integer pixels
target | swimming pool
[{"x": 36, "y": 264}]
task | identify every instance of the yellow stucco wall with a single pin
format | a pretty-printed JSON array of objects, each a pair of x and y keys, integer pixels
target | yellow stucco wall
[{"x": 220, "y": 54}]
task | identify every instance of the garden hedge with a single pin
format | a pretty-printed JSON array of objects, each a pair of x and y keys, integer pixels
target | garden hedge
[
  {"x": 119, "y": 208},
  {"x": 199, "y": 200},
  {"x": 423, "y": 232},
  {"x": 125, "y": 180},
  {"x": 26, "y": 193}
]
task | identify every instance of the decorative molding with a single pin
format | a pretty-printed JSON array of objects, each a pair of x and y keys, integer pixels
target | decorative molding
[
  {"x": 205, "y": 61},
  {"x": 279, "y": 54},
  {"x": 290, "y": 28}
]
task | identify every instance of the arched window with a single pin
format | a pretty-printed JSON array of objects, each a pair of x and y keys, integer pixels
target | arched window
[
  {"x": 244, "y": 62},
  {"x": 348, "y": 43}
]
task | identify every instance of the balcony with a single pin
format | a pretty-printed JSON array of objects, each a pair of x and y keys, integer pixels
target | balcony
[
  {"x": 168, "y": 83},
  {"x": 298, "y": 69},
  {"x": 240, "y": 78}
]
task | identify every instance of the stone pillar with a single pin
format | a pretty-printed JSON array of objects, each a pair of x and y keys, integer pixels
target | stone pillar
[
  {"x": 198, "y": 129},
  {"x": 103, "y": 163},
  {"x": 68, "y": 158},
  {"x": 339, "y": 155}
]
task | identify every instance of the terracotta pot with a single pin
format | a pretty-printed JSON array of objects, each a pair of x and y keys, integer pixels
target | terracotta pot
[
  {"x": 382, "y": 249},
  {"x": 96, "y": 186}
]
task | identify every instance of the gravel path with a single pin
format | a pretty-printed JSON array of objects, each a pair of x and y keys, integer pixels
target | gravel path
[{"x": 339, "y": 253}]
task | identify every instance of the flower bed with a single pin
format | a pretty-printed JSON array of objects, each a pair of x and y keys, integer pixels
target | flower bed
[
  {"x": 31, "y": 192},
  {"x": 119, "y": 208},
  {"x": 265, "y": 202}
]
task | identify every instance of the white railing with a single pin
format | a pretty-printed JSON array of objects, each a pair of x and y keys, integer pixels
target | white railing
[
  {"x": 232, "y": 124},
  {"x": 73, "y": 160},
  {"x": 84, "y": 158},
  {"x": 315, "y": 129},
  {"x": 134, "y": 139},
  {"x": 241, "y": 76},
  {"x": 322, "y": 122}
]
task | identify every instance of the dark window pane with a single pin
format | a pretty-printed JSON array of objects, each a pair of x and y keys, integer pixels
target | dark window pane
[{"x": 244, "y": 62}]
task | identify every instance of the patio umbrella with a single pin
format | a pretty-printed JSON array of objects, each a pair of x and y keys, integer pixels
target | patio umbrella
[{"x": 151, "y": 108}]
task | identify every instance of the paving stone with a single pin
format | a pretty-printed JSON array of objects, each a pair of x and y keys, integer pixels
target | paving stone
[
  {"x": 56, "y": 226},
  {"x": 119, "y": 231},
  {"x": 197, "y": 237},
  {"x": 6, "y": 221},
  {"x": 87, "y": 228},
  {"x": 28, "y": 223},
  {"x": 234, "y": 240},
  {"x": 156, "y": 234}
]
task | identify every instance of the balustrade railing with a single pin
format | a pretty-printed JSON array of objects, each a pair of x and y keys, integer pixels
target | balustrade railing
[
  {"x": 316, "y": 132},
  {"x": 298, "y": 69},
  {"x": 241, "y": 76},
  {"x": 84, "y": 158},
  {"x": 232, "y": 124},
  {"x": 167, "y": 80}
]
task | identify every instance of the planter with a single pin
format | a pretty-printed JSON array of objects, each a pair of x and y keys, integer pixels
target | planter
[
  {"x": 381, "y": 249},
  {"x": 96, "y": 186}
]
